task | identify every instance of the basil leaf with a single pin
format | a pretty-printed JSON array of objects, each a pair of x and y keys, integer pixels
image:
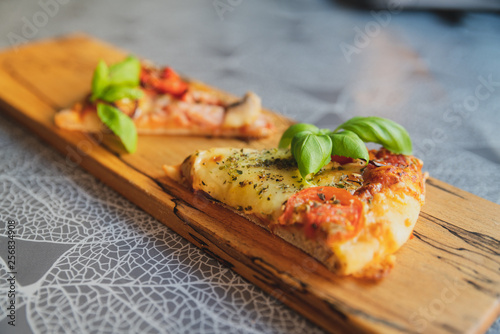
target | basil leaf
[
  {"x": 381, "y": 131},
  {"x": 348, "y": 144},
  {"x": 117, "y": 81},
  {"x": 288, "y": 135},
  {"x": 120, "y": 124},
  {"x": 100, "y": 80},
  {"x": 125, "y": 72},
  {"x": 114, "y": 93},
  {"x": 311, "y": 151}
]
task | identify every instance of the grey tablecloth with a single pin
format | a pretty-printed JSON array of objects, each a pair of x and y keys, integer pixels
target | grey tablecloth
[{"x": 89, "y": 261}]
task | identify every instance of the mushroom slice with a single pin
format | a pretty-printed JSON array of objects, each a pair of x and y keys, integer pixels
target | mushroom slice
[{"x": 243, "y": 112}]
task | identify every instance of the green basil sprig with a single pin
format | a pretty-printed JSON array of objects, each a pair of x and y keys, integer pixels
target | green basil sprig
[
  {"x": 312, "y": 148},
  {"x": 100, "y": 80},
  {"x": 113, "y": 83},
  {"x": 380, "y": 130},
  {"x": 118, "y": 81},
  {"x": 286, "y": 138},
  {"x": 348, "y": 144},
  {"x": 125, "y": 72},
  {"x": 311, "y": 151},
  {"x": 120, "y": 124}
]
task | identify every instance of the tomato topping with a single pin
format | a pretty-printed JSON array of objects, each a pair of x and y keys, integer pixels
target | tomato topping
[
  {"x": 171, "y": 83},
  {"x": 174, "y": 87},
  {"x": 170, "y": 74},
  {"x": 332, "y": 209},
  {"x": 165, "y": 81},
  {"x": 342, "y": 160}
]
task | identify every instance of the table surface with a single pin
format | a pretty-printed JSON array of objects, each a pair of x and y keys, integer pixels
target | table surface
[{"x": 90, "y": 261}]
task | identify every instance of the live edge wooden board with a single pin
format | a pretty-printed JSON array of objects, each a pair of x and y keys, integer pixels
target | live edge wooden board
[{"x": 447, "y": 278}]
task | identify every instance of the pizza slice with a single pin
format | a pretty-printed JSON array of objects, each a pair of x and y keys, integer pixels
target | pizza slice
[
  {"x": 158, "y": 101},
  {"x": 352, "y": 214}
]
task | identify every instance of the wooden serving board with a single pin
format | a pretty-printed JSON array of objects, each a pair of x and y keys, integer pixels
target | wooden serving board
[{"x": 447, "y": 278}]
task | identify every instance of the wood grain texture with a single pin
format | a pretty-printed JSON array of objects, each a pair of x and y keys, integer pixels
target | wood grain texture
[{"x": 446, "y": 280}]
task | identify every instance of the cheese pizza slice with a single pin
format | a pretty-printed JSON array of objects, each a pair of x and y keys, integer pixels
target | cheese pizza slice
[{"x": 350, "y": 216}]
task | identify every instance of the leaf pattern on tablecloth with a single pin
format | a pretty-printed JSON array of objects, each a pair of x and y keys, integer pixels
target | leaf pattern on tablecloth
[
  {"x": 67, "y": 210},
  {"x": 54, "y": 201},
  {"x": 155, "y": 283}
]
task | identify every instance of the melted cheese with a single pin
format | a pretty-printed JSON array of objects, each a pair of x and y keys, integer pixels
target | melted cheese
[
  {"x": 259, "y": 182},
  {"x": 390, "y": 220}
]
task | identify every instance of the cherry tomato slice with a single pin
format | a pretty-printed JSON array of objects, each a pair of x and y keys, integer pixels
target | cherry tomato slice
[
  {"x": 167, "y": 81},
  {"x": 170, "y": 74},
  {"x": 327, "y": 208},
  {"x": 174, "y": 87}
]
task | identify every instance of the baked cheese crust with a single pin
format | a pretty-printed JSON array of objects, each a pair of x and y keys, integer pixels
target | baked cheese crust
[{"x": 260, "y": 184}]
